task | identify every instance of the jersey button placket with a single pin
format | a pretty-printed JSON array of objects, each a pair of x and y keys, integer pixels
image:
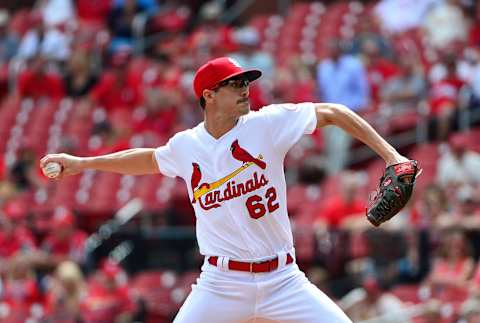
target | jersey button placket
[{"x": 229, "y": 205}]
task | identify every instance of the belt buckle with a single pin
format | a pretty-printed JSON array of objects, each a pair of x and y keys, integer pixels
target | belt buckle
[{"x": 251, "y": 267}]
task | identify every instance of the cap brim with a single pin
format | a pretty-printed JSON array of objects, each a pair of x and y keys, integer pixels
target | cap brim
[{"x": 251, "y": 75}]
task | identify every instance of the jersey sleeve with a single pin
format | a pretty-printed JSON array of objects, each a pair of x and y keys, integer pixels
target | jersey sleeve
[
  {"x": 166, "y": 159},
  {"x": 288, "y": 122}
]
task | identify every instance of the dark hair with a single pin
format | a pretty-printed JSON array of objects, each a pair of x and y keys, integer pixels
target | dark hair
[{"x": 202, "y": 102}]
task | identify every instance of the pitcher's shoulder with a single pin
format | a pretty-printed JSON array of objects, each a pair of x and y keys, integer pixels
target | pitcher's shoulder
[
  {"x": 262, "y": 112},
  {"x": 186, "y": 135},
  {"x": 277, "y": 108}
]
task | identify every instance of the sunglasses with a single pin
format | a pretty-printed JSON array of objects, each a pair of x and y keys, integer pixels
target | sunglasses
[{"x": 234, "y": 83}]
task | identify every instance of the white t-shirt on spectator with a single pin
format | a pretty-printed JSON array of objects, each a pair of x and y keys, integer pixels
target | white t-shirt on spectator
[
  {"x": 465, "y": 170},
  {"x": 55, "y": 45},
  {"x": 57, "y": 12},
  {"x": 444, "y": 24},
  {"x": 401, "y": 15}
]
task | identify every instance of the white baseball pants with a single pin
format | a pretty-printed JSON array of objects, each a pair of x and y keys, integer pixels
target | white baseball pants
[{"x": 284, "y": 295}]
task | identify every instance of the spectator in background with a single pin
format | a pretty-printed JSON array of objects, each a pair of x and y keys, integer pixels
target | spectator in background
[
  {"x": 379, "y": 69},
  {"x": 162, "y": 72},
  {"x": 65, "y": 294},
  {"x": 24, "y": 171},
  {"x": 36, "y": 83},
  {"x": 162, "y": 99},
  {"x": 458, "y": 164},
  {"x": 369, "y": 31},
  {"x": 53, "y": 43},
  {"x": 108, "y": 298},
  {"x": 473, "y": 73},
  {"x": 106, "y": 139},
  {"x": 79, "y": 77},
  {"x": 14, "y": 238},
  {"x": 19, "y": 290},
  {"x": 8, "y": 49},
  {"x": 149, "y": 6},
  {"x": 371, "y": 301},
  {"x": 453, "y": 266},
  {"x": 294, "y": 83},
  {"x": 404, "y": 91},
  {"x": 57, "y": 13},
  {"x": 121, "y": 22},
  {"x": 249, "y": 55},
  {"x": 430, "y": 208},
  {"x": 211, "y": 37},
  {"x": 116, "y": 89},
  {"x": 345, "y": 210},
  {"x": 444, "y": 98},
  {"x": 414, "y": 265},
  {"x": 350, "y": 88},
  {"x": 8, "y": 41},
  {"x": 466, "y": 213},
  {"x": 398, "y": 16},
  {"x": 445, "y": 23},
  {"x": 64, "y": 242},
  {"x": 159, "y": 114}
]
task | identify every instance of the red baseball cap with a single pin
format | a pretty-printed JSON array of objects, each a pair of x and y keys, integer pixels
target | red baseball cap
[{"x": 218, "y": 70}]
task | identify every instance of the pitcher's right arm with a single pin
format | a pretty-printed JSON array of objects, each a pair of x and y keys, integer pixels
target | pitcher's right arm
[{"x": 136, "y": 161}]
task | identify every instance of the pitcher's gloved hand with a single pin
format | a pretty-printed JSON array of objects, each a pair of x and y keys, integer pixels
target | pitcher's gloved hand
[{"x": 394, "y": 191}]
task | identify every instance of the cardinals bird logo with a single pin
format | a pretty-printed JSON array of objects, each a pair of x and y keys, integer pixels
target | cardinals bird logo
[
  {"x": 196, "y": 177},
  {"x": 242, "y": 155}
]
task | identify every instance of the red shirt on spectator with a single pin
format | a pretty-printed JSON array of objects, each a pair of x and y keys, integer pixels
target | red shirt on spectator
[
  {"x": 160, "y": 123},
  {"x": 446, "y": 271},
  {"x": 72, "y": 247},
  {"x": 474, "y": 35},
  {"x": 337, "y": 210},
  {"x": 40, "y": 85},
  {"x": 20, "y": 294},
  {"x": 19, "y": 240},
  {"x": 443, "y": 93},
  {"x": 94, "y": 11},
  {"x": 303, "y": 92},
  {"x": 102, "y": 305},
  {"x": 114, "y": 93},
  {"x": 218, "y": 38},
  {"x": 378, "y": 73}
]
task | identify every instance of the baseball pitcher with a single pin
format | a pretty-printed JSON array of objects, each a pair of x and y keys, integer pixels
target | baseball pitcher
[{"x": 232, "y": 164}]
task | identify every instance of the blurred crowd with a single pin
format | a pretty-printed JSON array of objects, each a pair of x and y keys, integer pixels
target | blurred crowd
[{"x": 122, "y": 70}]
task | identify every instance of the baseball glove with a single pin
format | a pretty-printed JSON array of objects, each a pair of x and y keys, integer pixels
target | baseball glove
[{"x": 393, "y": 192}]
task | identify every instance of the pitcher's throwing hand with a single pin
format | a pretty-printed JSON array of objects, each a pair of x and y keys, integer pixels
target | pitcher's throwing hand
[{"x": 70, "y": 165}]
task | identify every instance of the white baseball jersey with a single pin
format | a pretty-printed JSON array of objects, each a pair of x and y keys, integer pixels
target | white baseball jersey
[{"x": 236, "y": 183}]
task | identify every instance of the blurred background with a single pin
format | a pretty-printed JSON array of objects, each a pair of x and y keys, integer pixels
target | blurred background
[{"x": 90, "y": 77}]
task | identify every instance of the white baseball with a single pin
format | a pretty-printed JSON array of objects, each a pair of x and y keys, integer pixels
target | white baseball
[{"x": 52, "y": 169}]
